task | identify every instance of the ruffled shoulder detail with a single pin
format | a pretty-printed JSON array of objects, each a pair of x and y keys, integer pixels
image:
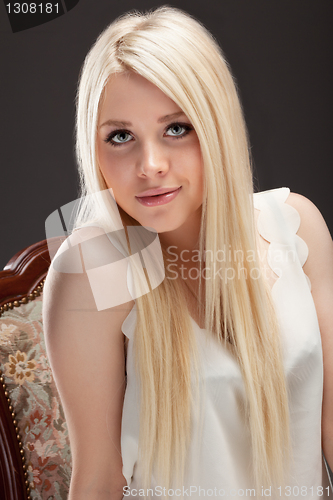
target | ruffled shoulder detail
[
  {"x": 278, "y": 224},
  {"x": 128, "y": 325}
]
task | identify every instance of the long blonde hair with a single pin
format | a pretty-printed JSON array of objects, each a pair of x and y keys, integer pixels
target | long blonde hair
[{"x": 178, "y": 55}]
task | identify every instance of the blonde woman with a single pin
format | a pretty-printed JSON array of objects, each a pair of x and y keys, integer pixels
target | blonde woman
[{"x": 228, "y": 360}]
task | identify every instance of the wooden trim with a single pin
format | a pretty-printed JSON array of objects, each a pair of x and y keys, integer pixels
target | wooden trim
[
  {"x": 26, "y": 270},
  {"x": 13, "y": 483}
]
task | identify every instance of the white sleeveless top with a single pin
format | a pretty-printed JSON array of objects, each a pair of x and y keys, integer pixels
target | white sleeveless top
[{"x": 219, "y": 461}]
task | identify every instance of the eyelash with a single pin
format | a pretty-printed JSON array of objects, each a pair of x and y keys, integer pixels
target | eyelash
[{"x": 109, "y": 138}]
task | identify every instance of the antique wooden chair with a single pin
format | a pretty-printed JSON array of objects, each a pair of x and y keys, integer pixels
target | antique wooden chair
[{"x": 35, "y": 457}]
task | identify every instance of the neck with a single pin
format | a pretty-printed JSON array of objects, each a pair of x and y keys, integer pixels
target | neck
[{"x": 182, "y": 246}]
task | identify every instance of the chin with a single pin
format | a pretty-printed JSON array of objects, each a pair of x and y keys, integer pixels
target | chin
[{"x": 161, "y": 226}]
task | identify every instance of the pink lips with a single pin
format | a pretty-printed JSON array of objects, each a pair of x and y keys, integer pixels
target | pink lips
[{"x": 159, "y": 196}]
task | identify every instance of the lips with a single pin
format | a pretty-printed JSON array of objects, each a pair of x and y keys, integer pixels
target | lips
[
  {"x": 159, "y": 196},
  {"x": 157, "y": 191}
]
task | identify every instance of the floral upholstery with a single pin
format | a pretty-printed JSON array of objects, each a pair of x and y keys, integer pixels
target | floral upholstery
[{"x": 34, "y": 397}]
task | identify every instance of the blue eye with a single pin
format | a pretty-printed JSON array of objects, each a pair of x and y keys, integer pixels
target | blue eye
[
  {"x": 119, "y": 137},
  {"x": 178, "y": 130}
]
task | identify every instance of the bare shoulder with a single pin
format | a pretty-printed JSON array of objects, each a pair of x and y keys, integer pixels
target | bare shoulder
[
  {"x": 309, "y": 213},
  {"x": 72, "y": 296},
  {"x": 85, "y": 266},
  {"x": 314, "y": 231}
]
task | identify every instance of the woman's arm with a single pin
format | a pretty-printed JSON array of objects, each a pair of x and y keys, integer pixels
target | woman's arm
[
  {"x": 86, "y": 352},
  {"x": 319, "y": 269}
]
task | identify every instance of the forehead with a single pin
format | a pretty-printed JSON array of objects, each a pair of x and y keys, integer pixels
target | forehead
[{"x": 129, "y": 94}]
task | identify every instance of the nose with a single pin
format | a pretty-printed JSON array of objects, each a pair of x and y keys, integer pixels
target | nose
[{"x": 153, "y": 160}]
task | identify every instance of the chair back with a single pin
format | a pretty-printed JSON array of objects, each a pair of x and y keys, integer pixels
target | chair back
[{"x": 35, "y": 457}]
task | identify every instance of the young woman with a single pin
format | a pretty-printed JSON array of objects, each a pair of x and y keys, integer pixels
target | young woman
[{"x": 228, "y": 377}]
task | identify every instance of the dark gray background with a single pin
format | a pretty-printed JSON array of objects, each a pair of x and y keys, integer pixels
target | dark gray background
[{"x": 280, "y": 52}]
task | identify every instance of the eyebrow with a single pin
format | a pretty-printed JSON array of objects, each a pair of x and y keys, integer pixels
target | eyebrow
[
  {"x": 163, "y": 119},
  {"x": 166, "y": 118}
]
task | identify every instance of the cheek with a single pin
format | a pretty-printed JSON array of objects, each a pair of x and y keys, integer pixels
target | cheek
[
  {"x": 102, "y": 161},
  {"x": 194, "y": 166},
  {"x": 197, "y": 176},
  {"x": 112, "y": 168}
]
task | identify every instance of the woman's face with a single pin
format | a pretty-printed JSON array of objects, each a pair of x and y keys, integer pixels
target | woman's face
[{"x": 145, "y": 142}]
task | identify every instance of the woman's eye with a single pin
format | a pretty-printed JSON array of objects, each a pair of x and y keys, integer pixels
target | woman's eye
[
  {"x": 178, "y": 130},
  {"x": 121, "y": 137}
]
